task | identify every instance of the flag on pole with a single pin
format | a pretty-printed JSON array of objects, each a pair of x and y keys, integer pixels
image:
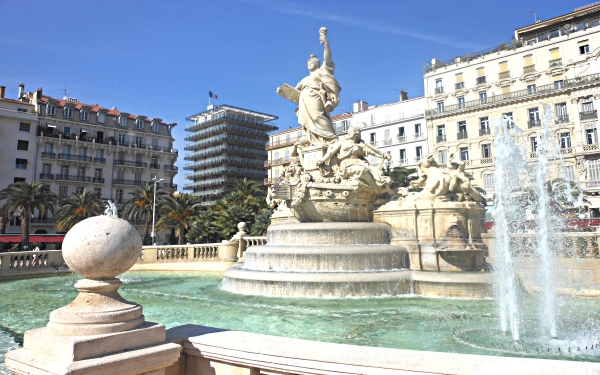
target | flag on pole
[{"x": 213, "y": 95}]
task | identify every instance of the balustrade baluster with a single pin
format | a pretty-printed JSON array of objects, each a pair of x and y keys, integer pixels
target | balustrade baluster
[{"x": 589, "y": 248}]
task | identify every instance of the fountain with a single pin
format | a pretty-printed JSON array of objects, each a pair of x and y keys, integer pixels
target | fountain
[{"x": 340, "y": 230}]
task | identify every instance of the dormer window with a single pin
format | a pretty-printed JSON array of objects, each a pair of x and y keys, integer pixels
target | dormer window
[
  {"x": 139, "y": 123},
  {"x": 51, "y": 110},
  {"x": 154, "y": 126},
  {"x": 123, "y": 120},
  {"x": 68, "y": 112},
  {"x": 84, "y": 115},
  {"x": 101, "y": 117}
]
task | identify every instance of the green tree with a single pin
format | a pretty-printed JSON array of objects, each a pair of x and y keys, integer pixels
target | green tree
[
  {"x": 139, "y": 207},
  {"x": 180, "y": 211},
  {"x": 204, "y": 228},
  {"x": 400, "y": 175},
  {"x": 248, "y": 188},
  {"x": 25, "y": 199},
  {"x": 229, "y": 218},
  {"x": 261, "y": 223},
  {"x": 76, "y": 208}
]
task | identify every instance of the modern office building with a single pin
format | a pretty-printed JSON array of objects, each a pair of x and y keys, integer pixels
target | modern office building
[
  {"x": 71, "y": 146},
  {"x": 227, "y": 143},
  {"x": 550, "y": 64}
]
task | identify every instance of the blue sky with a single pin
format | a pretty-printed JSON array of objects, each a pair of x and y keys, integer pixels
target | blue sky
[{"x": 160, "y": 58}]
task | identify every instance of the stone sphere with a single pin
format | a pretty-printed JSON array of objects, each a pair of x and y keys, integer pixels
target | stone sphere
[{"x": 101, "y": 247}]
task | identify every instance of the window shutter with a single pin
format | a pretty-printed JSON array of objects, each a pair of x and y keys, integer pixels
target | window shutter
[
  {"x": 504, "y": 66},
  {"x": 583, "y": 43},
  {"x": 554, "y": 55},
  {"x": 528, "y": 60},
  {"x": 459, "y": 77},
  {"x": 506, "y": 90},
  {"x": 480, "y": 72}
]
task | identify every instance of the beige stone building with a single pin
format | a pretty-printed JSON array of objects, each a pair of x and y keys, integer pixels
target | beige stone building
[
  {"x": 279, "y": 150},
  {"x": 71, "y": 146},
  {"x": 550, "y": 64}
]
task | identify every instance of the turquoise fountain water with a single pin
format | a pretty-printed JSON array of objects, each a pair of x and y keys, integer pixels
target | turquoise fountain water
[{"x": 444, "y": 325}]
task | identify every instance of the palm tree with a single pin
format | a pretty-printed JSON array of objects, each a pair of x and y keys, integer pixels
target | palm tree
[
  {"x": 248, "y": 188},
  {"x": 229, "y": 218},
  {"x": 25, "y": 198},
  {"x": 179, "y": 210},
  {"x": 139, "y": 208},
  {"x": 401, "y": 176},
  {"x": 79, "y": 207},
  {"x": 204, "y": 228}
]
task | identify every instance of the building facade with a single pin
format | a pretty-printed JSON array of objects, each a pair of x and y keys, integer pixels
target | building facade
[
  {"x": 72, "y": 146},
  {"x": 227, "y": 144},
  {"x": 548, "y": 67}
]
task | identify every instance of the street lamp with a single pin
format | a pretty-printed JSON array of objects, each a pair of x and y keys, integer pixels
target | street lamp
[{"x": 154, "y": 208}]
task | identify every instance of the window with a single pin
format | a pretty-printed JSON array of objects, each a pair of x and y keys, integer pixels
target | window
[
  {"x": 22, "y": 145},
  {"x": 533, "y": 142},
  {"x": 121, "y": 139},
  {"x": 403, "y": 156},
  {"x": 594, "y": 169},
  {"x": 442, "y": 156},
  {"x": 587, "y": 106},
  {"x": 569, "y": 173},
  {"x": 21, "y": 164},
  {"x": 464, "y": 153},
  {"x": 560, "y": 111},
  {"x": 276, "y": 155},
  {"x": 63, "y": 192},
  {"x": 440, "y": 106},
  {"x": 66, "y": 130},
  {"x": 154, "y": 161},
  {"x": 84, "y": 115},
  {"x": 287, "y": 155},
  {"x": 46, "y": 169},
  {"x": 534, "y": 117},
  {"x": 81, "y": 172},
  {"x": 83, "y": 152},
  {"x": 591, "y": 135},
  {"x": 418, "y": 133},
  {"x": 155, "y": 126},
  {"x": 506, "y": 91},
  {"x": 66, "y": 150},
  {"x": 462, "y": 127},
  {"x": 484, "y": 123},
  {"x": 24, "y": 127},
  {"x": 503, "y": 68},
  {"x": 461, "y": 101},
  {"x": 584, "y": 47},
  {"x": 139, "y": 142},
  {"x": 98, "y": 192},
  {"x": 555, "y": 59},
  {"x": 15, "y": 180},
  {"x": 345, "y": 125},
  {"x": 101, "y": 117},
  {"x": 68, "y": 112},
  {"x": 386, "y": 134},
  {"x": 483, "y": 97},
  {"x": 372, "y": 137},
  {"x": 119, "y": 195},
  {"x": 64, "y": 170},
  {"x": 123, "y": 120},
  {"x": 137, "y": 176},
  {"x": 120, "y": 175},
  {"x": 401, "y": 131},
  {"x": 559, "y": 82},
  {"x": 139, "y": 123},
  {"x": 486, "y": 150},
  {"x": 459, "y": 81},
  {"x": 531, "y": 89},
  {"x": 419, "y": 152},
  {"x": 153, "y": 176},
  {"x": 441, "y": 130},
  {"x": 508, "y": 117},
  {"x": 438, "y": 86},
  {"x": 480, "y": 75},
  {"x": 51, "y": 110},
  {"x": 528, "y": 63},
  {"x": 154, "y": 142},
  {"x": 488, "y": 181},
  {"x": 98, "y": 173},
  {"x": 565, "y": 140},
  {"x": 99, "y": 154},
  {"x": 79, "y": 190}
]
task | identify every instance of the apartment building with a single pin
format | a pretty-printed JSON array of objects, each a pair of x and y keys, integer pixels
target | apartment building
[
  {"x": 550, "y": 65},
  {"x": 396, "y": 128},
  {"x": 227, "y": 144},
  {"x": 72, "y": 146}
]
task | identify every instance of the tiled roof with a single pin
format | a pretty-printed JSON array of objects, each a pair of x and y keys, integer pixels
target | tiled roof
[{"x": 15, "y": 101}]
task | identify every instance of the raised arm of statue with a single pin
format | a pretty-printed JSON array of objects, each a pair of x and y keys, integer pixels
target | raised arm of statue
[{"x": 327, "y": 51}]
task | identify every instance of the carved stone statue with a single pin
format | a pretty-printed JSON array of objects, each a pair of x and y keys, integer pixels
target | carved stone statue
[
  {"x": 316, "y": 95},
  {"x": 348, "y": 158}
]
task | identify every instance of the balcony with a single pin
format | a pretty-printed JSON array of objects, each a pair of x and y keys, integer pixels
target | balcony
[
  {"x": 588, "y": 115},
  {"x": 592, "y": 79},
  {"x": 74, "y": 157},
  {"x": 418, "y": 136},
  {"x": 167, "y": 185},
  {"x": 401, "y": 139},
  {"x": 535, "y": 123},
  {"x": 98, "y": 180},
  {"x": 48, "y": 155},
  {"x": 485, "y": 131},
  {"x": 64, "y": 177},
  {"x": 271, "y": 181},
  {"x": 99, "y": 161},
  {"x": 481, "y": 80},
  {"x": 462, "y": 135},
  {"x": 561, "y": 119},
  {"x": 121, "y": 181},
  {"x": 439, "y": 90},
  {"x": 131, "y": 163},
  {"x": 555, "y": 62},
  {"x": 417, "y": 159},
  {"x": 282, "y": 143},
  {"x": 529, "y": 69},
  {"x": 440, "y": 139},
  {"x": 46, "y": 176},
  {"x": 171, "y": 168},
  {"x": 373, "y": 143},
  {"x": 403, "y": 162},
  {"x": 154, "y": 166},
  {"x": 503, "y": 75},
  {"x": 459, "y": 85}
]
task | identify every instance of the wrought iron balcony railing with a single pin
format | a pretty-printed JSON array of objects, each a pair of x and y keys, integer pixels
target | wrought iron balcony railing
[{"x": 588, "y": 115}]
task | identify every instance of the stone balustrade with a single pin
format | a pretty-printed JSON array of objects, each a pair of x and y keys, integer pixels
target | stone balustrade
[
  {"x": 570, "y": 244},
  {"x": 24, "y": 263}
]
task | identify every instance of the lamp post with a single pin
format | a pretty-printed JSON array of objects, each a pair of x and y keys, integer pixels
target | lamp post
[{"x": 154, "y": 208}]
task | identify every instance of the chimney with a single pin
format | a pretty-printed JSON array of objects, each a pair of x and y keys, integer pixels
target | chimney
[
  {"x": 403, "y": 95},
  {"x": 359, "y": 105},
  {"x": 2, "y": 91},
  {"x": 21, "y": 90}
]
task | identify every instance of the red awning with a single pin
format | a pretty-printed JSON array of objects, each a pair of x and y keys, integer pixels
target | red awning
[{"x": 16, "y": 238}]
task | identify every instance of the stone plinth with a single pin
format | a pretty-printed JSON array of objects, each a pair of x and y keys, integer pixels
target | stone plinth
[
  {"x": 99, "y": 332},
  {"x": 445, "y": 237}
]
